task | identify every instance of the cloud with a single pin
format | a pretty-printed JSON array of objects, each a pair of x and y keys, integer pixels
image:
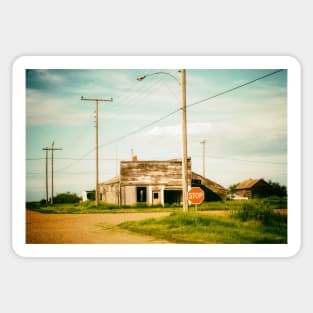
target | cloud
[
  {"x": 42, "y": 110},
  {"x": 194, "y": 129}
]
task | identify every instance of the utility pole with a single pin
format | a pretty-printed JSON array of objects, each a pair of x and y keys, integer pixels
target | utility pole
[
  {"x": 184, "y": 141},
  {"x": 203, "y": 156},
  {"x": 182, "y": 84},
  {"x": 52, "y": 184},
  {"x": 47, "y": 194},
  {"x": 97, "y": 124},
  {"x": 52, "y": 149}
]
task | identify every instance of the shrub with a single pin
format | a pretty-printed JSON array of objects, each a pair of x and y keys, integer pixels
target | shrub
[
  {"x": 66, "y": 198},
  {"x": 261, "y": 211}
]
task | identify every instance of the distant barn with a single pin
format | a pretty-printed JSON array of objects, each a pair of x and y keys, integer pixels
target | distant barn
[
  {"x": 154, "y": 183},
  {"x": 254, "y": 188}
]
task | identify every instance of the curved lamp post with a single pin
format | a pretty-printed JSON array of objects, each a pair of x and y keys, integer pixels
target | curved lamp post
[{"x": 182, "y": 84}]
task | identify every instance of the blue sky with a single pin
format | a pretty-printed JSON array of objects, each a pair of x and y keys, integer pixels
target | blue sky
[{"x": 246, "y": 130}]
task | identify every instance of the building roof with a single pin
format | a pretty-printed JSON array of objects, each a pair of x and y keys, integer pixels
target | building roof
[
  {"x": 153, "y": 161},
  {"x": 210, "y": 184},
  {"x": 247, "y": 184},
  {"x": 113, "y": 180}
]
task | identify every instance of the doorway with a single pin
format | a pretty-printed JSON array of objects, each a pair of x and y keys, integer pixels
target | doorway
[
  {"x": 141, "y": 194},
  {"x": 172, "y": 196},
  {"x": 156, "y": 199}
]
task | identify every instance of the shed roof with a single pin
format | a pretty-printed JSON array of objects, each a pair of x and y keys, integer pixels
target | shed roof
[
  {"x": 247, "y": 184},
  {"x": 113, "y": 180}
]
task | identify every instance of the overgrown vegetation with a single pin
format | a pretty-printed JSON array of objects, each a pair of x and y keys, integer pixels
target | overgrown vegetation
[
  {"x": 273, "y": 202},
  {"x": 253, "y": 221},
  {"x": 262, "y": 211},
  {"x": 89, "y": 207},
  {"x": 66, "y": 198},
  {"x": 198, "y": 228},
  {"x": 62, "y": 198}
]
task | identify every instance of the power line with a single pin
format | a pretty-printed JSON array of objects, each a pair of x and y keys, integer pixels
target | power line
[
  {"x": 142, "y": 95},
  {"x": 134, "y": 99},
  {"x": 234, "y": 88},
  {"x": 240, "y": 160},
  {"x": 140, "y": 129},
  {"x": 188, "y": 106},
  {"x": 173, "y": 112},
  {"x": 72, "y": 159}
]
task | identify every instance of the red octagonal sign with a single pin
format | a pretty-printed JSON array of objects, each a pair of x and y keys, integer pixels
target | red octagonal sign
[{"x": 196, "y": 195}]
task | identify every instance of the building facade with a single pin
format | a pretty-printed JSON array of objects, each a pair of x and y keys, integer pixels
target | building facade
[
  {"x": 146, "y": 182},
  {"x": 151, "y": 183}
]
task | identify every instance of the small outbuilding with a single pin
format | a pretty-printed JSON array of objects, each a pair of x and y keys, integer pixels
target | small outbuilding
[{"x": 254, "y": 188}]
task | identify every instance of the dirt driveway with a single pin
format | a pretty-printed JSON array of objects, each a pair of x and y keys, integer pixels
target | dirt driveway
[{"x": 85, "y": 228}]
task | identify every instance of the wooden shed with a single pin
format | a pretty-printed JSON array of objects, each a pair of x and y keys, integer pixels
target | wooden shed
[{"x": 254, "y": 188}]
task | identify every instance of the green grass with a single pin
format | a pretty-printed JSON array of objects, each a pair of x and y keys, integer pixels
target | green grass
[
  {"x": 271, "y": 202},
  {"x": 196, "y": 228},
  {"x": 90, "y": 207}
]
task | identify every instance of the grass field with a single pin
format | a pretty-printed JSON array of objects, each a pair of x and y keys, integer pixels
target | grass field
[
  {"x": 90, "y": 207},
  {"x": 253, "y": 221},
  {"x": 198, "y": 228}
]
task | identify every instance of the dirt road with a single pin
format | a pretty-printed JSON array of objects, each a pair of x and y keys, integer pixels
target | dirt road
[{"x": 85, "y": 228}]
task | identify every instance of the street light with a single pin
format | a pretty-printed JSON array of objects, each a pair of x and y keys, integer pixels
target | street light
[
  {"x": 182, "y": 85},
  {"x": 142, "y": 77}
]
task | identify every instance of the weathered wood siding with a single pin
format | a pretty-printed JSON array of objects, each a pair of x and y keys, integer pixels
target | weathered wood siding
[
  {"x": 109, "y": 191},
  {"x": 128, "y": 195},
  {"x": 244, "y": 193},
  {"x": 260, "y": 190},
  {"x": 141, "y": 173}
]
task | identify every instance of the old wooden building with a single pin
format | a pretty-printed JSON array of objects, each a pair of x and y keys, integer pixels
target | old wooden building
[
  {"x": 152, "y": 183},
  {"x": 254, "y": 188}
]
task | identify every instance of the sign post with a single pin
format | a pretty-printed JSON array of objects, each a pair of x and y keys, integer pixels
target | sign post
[{"x": 196, "y": 196}]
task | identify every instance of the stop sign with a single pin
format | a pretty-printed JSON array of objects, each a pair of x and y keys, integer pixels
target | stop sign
[{"x": 196, "y": 195}]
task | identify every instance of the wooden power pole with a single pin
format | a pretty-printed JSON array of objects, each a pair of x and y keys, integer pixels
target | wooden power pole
[
  {"x": 184, "y": 141},
  {"x": 52, "y": 183},
  {"x": 203, "y": 156},
  {"x": 97, "y": 158},
  {"x": 47, "y": 193}
]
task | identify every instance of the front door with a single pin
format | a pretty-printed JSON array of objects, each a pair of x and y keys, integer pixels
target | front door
[{"x": 156, "y": 199}]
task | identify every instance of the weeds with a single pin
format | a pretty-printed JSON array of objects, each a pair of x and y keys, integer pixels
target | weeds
[{"x": 197, "y": 228}]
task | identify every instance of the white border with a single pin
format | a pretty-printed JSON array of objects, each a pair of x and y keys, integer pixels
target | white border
[{"x": 156, "y": 250}]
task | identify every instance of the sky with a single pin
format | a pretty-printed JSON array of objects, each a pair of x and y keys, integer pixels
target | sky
[{"x": 245, "y": 129}]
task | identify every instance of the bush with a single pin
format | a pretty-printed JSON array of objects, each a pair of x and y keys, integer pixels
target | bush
[
  {"x": 66, "y": 198},
  {"x": 261, "y": 211},
  {"x": 276, "y": 202},
  {"x": 32, "y": 205}
]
